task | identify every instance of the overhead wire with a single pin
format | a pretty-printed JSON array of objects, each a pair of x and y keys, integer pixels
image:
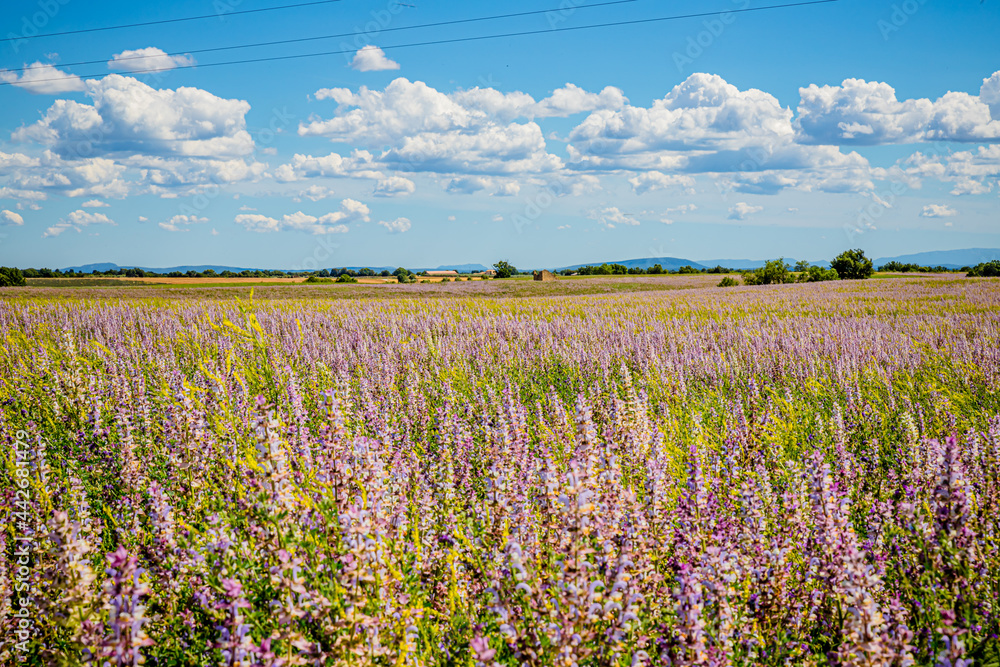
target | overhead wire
[
  {"x": 79, "y": 31},
  {"x": 298, "y": 40},
  {"x": 456, "y": 40}
]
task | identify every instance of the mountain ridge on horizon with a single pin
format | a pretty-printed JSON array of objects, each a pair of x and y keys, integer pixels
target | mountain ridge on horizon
[
  {"x": 951, "y": 259},
  {"x": 218, "y": 268}
]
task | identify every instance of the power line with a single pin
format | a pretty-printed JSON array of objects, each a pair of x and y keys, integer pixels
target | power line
[
  {"x": 455, "y": 40},
  {"x": 343, "y": 34},
  {"x": 163, "y": 21}
]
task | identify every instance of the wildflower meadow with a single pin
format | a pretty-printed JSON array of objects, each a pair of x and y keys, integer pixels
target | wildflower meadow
[{"x": 791, "y": 474}]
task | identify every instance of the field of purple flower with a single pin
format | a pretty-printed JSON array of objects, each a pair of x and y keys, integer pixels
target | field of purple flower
[{"x": 803, "y": 474}]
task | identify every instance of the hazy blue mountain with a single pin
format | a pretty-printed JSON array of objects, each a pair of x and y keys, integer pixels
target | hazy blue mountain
[
  {"x": 951, "y": 259},
  {"x": 87, "y": 268},
  {"x": 108, "y": 266},
  {"x": 376, "y": 269},
  {"x": 674, "y": 263},
  {"x": 462, "y": 268}
]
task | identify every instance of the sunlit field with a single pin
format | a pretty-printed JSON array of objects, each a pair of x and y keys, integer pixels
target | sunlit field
[{"x": 587, "y": 472}]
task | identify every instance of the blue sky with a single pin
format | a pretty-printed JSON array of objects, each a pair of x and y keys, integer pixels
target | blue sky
[{"x": 799, "y": 132}]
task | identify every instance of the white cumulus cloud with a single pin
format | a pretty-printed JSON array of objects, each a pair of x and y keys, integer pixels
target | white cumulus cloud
[
  {"x": 10, "y": 218},
  {"x": 970, "y": 172},
  {"x": 468, "y": 185},
  {"x": 649, "y": 181},
  {"x": 423, "y": 129},
  {"x": 508, "y": 189},
  {"x": 704, "y": 112},
  {"x": 150, "y": 58},
  {"x": 859, "y": 112},
  {"x": 707, "y": 125},
  {"x": 989, "y": 94},
  {"x": 938, "y": 211},
  {"x": 314, "y": 193},
  {"x": 359, "y": 164},
  {"x": 76, "y": 221},
  {"x": 394, "y": 186},
  {"x": 330, "y": 223},
  {"x": 667, "y": 217},
  {"x": 743, "y": 210},
  {"x": 397, "y": 226},
  {"x": 491, "y": 104},
  {"x": 128, "y": 117},
  {"x": 181, "y": 223},
  {"x": 372, "y": 59},
  {"x": 164, "y": 176},
  {"x": 43, "y": 79},
  {"x": 610, "y": 216}
]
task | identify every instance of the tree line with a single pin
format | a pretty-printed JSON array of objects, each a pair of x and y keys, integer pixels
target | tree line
[{"x": 849, "y": 265}]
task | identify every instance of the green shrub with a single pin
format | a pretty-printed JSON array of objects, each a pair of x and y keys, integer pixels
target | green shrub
[
  {"x": 404, "y": 275},
  {"x": 817, "y": 274},
  {"x": 505, "y": 269},
  {"x": 774, "y": 272},
  {"x": 899, "y": 267},
  {"x": 11, "y": 277},
  {"x": 853, "y": 265},
  {"x": 728, "y": 281},
  {"x": 345, "y": 278},
  {"x": 985, "y": 270},
  {"x": 316, "y": 280}
]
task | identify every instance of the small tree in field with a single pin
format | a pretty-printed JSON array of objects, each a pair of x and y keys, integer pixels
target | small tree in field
[
  {"x": 11, "y": 277},
  {"x": 985, "y": 270},
  {"x": 817, "y": 274},
  {"x": 853, "y": 265},
  {"x": 774, "y": 272},
  {"x": 505, "y": 269}
]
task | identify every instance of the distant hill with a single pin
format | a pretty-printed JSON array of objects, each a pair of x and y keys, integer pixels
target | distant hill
[
  {"x": 462, "y": 268},
  {"x": 950, "y": 259},
  {"x": 674, "y": 263},
  {"x": 668, "y": 263},
  {"x": 88, "y": 268},
  {"x": 107, "y": 266}
]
